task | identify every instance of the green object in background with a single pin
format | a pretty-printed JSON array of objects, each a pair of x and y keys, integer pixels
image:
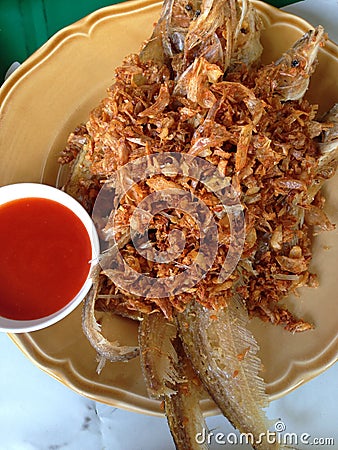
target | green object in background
[
  {"x": 27, "y": 24},
  {"x": 281, "y": 3}
]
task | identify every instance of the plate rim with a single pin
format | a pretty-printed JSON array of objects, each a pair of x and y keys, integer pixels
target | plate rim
[{"x": 25, "y": 342}]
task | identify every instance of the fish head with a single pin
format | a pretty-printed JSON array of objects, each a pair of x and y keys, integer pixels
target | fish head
[
  {"x": 298, "y": 63},
  {"x": 212, "y": 31},
  {"x": 303, "y": 54},
  {"x": 169, "y": 32}
]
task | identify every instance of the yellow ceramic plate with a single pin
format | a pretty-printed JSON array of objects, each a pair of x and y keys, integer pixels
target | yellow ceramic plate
[{"x": 52, "y": 92}]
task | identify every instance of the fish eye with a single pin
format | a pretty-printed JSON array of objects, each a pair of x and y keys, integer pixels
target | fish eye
[
  {"x": 294, "y": 63},
  {"x": 197, "y": 13},
  {"x": 188, "y": 7}
]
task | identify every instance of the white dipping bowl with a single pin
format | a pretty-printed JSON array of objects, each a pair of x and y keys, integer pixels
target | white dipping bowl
[{"x": 18, "y": 191}]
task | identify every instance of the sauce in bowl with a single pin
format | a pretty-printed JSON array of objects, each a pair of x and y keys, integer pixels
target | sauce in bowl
[
  {"x": 48, "y": 248},
  {"x": 45, "y": 257}
]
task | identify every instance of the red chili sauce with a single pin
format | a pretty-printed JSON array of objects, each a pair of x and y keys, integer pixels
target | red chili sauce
[{"x": 45, "y": 254}]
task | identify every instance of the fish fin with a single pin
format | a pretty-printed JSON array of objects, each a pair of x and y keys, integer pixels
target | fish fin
[{"x": 224, "y": 354}]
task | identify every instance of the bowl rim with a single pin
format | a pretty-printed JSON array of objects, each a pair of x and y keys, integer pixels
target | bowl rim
[{"x": 17, "y": 191}]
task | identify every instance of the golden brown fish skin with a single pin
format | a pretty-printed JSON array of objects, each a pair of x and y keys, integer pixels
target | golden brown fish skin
[
  {"x": 183, "y": 409},
  {"x": 157, "y": 354},
  {"x": 75, "y": 176},
  {"x": 105, "y": 349},
  {"x": 223, "y": 353},
  {"x": 169, "y": 376}
]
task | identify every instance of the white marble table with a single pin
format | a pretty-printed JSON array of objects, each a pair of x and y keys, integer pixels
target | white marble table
[{"x": 39, "y": 413}]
